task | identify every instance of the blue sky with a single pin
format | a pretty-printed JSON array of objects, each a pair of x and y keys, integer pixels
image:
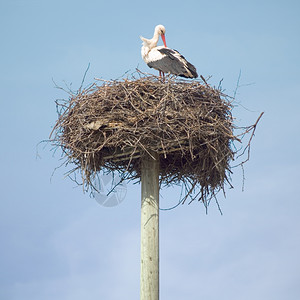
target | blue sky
[{"x": 57, "y": 243}]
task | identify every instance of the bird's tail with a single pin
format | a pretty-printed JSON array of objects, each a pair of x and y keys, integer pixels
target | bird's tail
[{"x": 191, "y": 70}]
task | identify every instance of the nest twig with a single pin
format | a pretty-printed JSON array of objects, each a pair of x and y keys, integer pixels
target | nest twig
[{"x": 112, "y": 125}]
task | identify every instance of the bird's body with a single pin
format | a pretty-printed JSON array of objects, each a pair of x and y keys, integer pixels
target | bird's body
[{"x": 164, "y": 59}]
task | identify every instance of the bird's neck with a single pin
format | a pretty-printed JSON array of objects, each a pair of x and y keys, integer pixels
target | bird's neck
[
  {"x": 155, "y": 39},
  {"x": 152, "y": 43}
]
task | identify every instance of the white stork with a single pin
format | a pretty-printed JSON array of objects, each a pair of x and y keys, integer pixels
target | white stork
[{"x": 164, "y": 59}]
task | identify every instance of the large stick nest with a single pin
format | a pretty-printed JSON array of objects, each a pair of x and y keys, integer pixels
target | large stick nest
[{"x": 113, "y": 125}]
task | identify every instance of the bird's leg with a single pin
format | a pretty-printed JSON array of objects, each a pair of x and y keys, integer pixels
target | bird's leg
[{"x": 162, "y": 76}]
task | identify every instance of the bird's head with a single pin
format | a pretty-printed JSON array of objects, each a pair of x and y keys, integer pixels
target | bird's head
[{"x": 161, "y": 30}]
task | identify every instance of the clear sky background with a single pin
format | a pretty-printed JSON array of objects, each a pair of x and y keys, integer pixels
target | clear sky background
[{"x": 57, "y": 243}]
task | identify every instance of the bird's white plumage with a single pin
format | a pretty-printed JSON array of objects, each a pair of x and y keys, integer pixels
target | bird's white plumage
[
  {"x": 150, "y": 55},
  {"x": 151, "y": 44}
]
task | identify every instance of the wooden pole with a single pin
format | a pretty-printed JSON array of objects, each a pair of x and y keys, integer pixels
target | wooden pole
[{"x": 150, "y": 228}]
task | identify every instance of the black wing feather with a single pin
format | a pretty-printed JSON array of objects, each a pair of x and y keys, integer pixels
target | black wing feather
[{"x": 175, "y": 63}]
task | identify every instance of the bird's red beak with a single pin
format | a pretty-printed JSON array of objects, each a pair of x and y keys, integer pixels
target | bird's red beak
[{"x": 164, "y": 39}]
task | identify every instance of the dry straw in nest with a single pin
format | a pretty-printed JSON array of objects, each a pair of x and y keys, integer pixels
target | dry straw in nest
[{"x": 112, "y": 125}]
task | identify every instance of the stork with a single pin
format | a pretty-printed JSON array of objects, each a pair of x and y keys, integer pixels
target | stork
[{"x": 164, "y": 59}]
